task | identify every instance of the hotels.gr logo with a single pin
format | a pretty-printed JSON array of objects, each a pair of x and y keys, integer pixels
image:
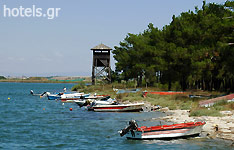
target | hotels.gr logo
[{"x": 49, "y": 13}]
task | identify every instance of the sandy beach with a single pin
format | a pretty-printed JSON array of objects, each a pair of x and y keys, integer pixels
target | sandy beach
[{"x": 215, "y": 127}]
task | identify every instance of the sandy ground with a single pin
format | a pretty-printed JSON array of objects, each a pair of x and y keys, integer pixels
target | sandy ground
[{"x": 225, "y": 124}]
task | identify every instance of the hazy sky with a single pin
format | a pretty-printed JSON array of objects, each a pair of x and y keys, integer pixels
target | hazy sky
[{"x": 38, "y": 46}]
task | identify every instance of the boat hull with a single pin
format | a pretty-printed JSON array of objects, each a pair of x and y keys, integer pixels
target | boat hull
[
  {"x": 80, "y": 102},
  {"x": 118, "y": 108},
  {"x": 53, "y": 97},
  {"x": 165, "y": 134}
]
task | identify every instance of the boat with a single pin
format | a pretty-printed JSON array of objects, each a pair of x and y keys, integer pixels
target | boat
[
  {"x": 80, "y": 100},
  {"x": 54, "y": 96},
  {"x": 73, "y": 95},
  {"x": 62, "y": 95},
  {"x": 95, "y": 101},
  {"x": 68, "y": 98},
  {"x": 121, "y": 91},
  {"x": 162, "y": 132},
  {"x": 116, "y": 107},
  {"x": 39, "y": 94}
]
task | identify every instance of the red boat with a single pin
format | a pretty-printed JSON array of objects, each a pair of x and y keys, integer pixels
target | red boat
[{"x": 173, "y": 131}]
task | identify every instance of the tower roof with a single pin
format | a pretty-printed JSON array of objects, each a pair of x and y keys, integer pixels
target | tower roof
[{"x": 101, "y": 47}]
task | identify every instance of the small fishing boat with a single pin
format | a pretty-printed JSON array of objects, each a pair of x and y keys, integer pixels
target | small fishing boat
[
  {"x": 95, "y": 101},
  {"x": 163, "y": 132},
  {"x": 54, "y": 96},
  {"x": 121, "y": 91},
  {"x": 39, "y": 94},
  {"x": 70, "y": 99},
  {"x": 116, "y": 107},
  {"x": 73, "y": 95},
  {"x": 60, "y": 95},
  {"x": 80, "y": 100}
]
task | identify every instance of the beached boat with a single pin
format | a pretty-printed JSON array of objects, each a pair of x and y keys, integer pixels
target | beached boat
[
  {"x": 136, "y": 107},
  {"x": 121, "y": 91},
  {"x": 162, "y": 132},
  {"x": 95, "y": 101}
]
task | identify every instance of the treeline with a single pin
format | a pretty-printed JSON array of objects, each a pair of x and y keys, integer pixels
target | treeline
[{"x": 195, "y": 51}]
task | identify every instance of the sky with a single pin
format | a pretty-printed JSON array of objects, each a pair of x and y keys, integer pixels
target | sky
[{"x": 59, "y": 43}]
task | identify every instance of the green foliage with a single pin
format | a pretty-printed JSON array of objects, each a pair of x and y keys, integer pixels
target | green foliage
[
  {"x": 131, "y": 97},
  {"x": 78, "y": 86},
  {"x": 194, "y": 51},
  {"x": 2, "y": 78}
]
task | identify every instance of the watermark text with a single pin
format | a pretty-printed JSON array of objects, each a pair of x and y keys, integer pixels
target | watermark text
[{"x": 35, "y": 12}]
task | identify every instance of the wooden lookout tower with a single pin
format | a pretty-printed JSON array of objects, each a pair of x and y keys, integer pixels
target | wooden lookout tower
[{"x": 101, "y": 63}]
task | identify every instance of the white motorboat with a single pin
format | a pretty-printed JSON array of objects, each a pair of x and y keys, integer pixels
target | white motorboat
[
  {"x": 116, "y": 107},
  {"x": 94, "y": 101}
]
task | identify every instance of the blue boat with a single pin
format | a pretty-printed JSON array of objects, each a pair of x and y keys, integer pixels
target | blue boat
[{"x": 54, "y": 96}]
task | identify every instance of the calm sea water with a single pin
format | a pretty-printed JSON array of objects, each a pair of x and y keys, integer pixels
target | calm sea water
[{"x": 31, "y": 122}]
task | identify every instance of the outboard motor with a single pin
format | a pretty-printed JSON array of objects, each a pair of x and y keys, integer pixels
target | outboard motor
[
  {"x": 132, "y": 126},
  {"x": 87, "y": 102}
]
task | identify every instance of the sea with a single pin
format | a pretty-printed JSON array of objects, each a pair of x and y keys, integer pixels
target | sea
[{"x": 31, "y": 122}]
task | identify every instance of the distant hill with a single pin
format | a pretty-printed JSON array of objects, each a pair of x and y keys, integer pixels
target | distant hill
[{"x": 67, "y": 78}]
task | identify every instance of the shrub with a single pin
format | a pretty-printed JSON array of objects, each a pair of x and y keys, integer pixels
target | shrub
[
  {"x": 2, "y": 78},
  {"x": 176, "y": 86},
  {"x": 78, "y": 86},
  {"x": 186, "y": 105},
  {"x": 121, "y": 96}
]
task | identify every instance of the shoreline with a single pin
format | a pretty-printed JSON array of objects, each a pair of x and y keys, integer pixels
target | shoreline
[
  {"x": 224, "y": 124},
  {"x": 37, "y": 81}
]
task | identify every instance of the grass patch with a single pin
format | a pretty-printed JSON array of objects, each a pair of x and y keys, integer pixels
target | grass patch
[
  {"x": 78, "y": 87},
  {"x": 164, "y": 101},
  {"x": 131, "y": 97},
  {"x": 205, "y": 112},
  {"x": 224, "y": 105},
  {"x": 173, "y": 102},
  {"x": 99, "y": 89},
  {"x": 213, "y": 111},
  {"x": 230, "y": 106}
]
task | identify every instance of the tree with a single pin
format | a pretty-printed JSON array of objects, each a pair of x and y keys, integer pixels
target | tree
[{"x": 195, "y": 50}]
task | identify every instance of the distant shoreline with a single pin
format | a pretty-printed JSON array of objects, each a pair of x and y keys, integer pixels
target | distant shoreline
[{"x": 38, "y": 81}]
